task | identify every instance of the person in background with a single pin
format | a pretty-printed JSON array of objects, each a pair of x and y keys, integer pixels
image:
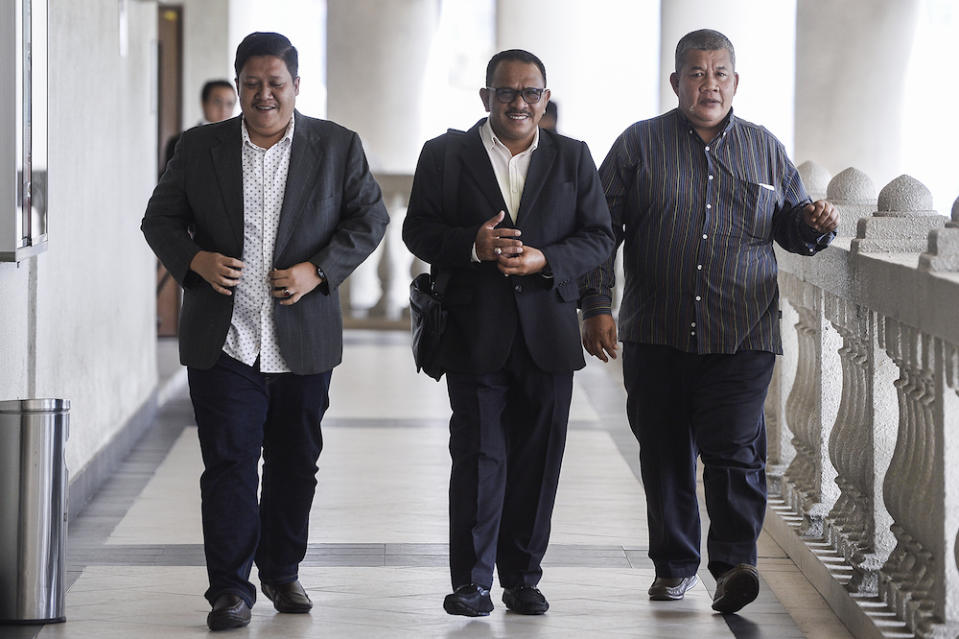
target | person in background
[{"x": 218, "y": 100}]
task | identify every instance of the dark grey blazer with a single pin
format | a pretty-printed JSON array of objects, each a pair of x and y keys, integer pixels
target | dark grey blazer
[{"x": 332, "y": 216}]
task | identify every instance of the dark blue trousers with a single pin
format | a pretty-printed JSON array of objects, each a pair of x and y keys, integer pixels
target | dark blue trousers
[
  {"x": 507, "y": 437},
  {"x": 683, "y": 405},
  {"x": 241, "y": 413}
]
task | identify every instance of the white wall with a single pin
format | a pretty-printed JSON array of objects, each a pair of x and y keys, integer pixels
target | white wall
[
  {"x": 601, "y": 57},
  {"x": 79, "y": 320}
]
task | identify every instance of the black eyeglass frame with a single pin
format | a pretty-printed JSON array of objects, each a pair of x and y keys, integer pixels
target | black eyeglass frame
[{"x": 505, "y": 95}]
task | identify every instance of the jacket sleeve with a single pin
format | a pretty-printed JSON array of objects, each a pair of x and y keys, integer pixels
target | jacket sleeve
[
  {"x": 362, "y": 222},
  {"x": 592, "y": 241}
]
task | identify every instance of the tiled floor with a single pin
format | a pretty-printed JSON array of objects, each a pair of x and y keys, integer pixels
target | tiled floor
[{"x": 376, "y": 565}]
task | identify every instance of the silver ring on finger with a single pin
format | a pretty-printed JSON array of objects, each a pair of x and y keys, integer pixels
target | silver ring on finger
[
  {"x": 287, "y": 292},
  {"x": 498, "y": 250}
]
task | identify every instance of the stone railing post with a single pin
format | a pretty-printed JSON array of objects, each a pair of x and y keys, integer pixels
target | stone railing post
[
  {"x": 854, "y": 194},
  {"x": 943, "y": 251},
  {"x": 809, "y": 481},
  {"x": 902, "y": 222}
]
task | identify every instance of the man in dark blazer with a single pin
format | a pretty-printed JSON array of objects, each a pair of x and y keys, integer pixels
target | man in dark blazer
[
  {"x": 514, "y": 215},
  {"x": 260, "y": 218}
]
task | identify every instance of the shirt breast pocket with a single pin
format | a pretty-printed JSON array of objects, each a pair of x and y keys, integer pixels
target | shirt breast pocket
[{"x": 756, "y": 202}]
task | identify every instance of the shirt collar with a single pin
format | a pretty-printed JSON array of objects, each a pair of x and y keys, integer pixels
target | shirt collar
[
  {"x": 490, "y": 140},
  {"x": 727, "y": 124},
  {"x": 288, "y": 135}
]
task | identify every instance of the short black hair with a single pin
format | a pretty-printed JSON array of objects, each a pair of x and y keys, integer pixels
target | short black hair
[
  {"x": 703, "y": 40},
  {"x": 214, "y": 84},
  {"x": 518, "y": 55},
  {"x": 267, "y": 43},
  {"x": 552, "y": 109}
]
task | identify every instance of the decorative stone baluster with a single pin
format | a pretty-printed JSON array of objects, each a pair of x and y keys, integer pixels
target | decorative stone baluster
[
  {"x": 860, "y": 446},
  {"x": 902, "y": 222},
  {"x": 854, "y": 194},
  {"x": 943, "y": 251},
  {"x": 914, "y": 580},
  {"x": 809, "y": 482},
  {"x": 365, "y": 286},
  {"x": 397, "y": 260}
]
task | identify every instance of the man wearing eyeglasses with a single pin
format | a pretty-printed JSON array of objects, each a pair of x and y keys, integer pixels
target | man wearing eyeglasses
[{"x": 512, "y": 215}]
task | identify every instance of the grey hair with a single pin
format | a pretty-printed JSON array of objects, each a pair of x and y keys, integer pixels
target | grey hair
[{"x": 703, "y": 40}]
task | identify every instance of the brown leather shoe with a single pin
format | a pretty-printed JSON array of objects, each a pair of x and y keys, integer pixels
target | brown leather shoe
[
  {"x": 671, "y": 588},
  {"x": 735, "y": 588},
  {"x": 229, "y": 611},
  {"x": 289, "y": 597}
]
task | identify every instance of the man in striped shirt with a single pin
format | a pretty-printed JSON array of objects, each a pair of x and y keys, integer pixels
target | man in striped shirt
[{"x": 698, "y": 196}]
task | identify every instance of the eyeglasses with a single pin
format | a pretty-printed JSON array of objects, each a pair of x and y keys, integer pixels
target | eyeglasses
[{"x": 530, "y": 95}]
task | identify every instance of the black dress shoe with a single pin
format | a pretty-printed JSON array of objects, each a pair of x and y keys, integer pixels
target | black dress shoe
[
  {"x": 469, "y": 601},
  {"x": 229, "y": 611},
  {"x": 287, "y": 597},
  {"x": 671, "y": 588},
  {"x": 526, "y": 600},
  {"x": 735, "y": 588}
]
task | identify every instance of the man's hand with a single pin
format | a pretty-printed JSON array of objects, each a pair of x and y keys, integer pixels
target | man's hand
[
  {"x": 599, "y": 336},
  {"x": 821, "y": 215},
  {"x": 220, "y": 271},
  {"x": 492, "y": 242},
  {"x": 525, "y": 261},
  {"x": 289, "y": 285}
]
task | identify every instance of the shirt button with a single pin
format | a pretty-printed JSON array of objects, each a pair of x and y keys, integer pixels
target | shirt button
[
  {"x": 518, "y": 288},
  {"x": 707, "y": 148},
  {"x": 693, "y": 324},
  {"x": 710, "y": 177},
  {"x": 705, "y": 236},
  {"x": 699, "y": 267},
  {"x": 698, "y": 298},
  {"x": 709, "y": 206},
  {"x": 692, "y": 332}
]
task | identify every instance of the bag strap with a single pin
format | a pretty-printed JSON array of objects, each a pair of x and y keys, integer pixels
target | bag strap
[{"x": 451, "y": 178}]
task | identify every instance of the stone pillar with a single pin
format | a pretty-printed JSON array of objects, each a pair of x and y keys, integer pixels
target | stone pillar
[
  {"x": 854, "y": 195},
  {"x": 848, "y": 113},
  {"x": 902, "y": 222},
  {"x": 377, "y": 54},
  {"x": 761, "y": 53}
]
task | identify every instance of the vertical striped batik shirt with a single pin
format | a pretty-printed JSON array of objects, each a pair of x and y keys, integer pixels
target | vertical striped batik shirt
[{"x": 697, "y": 221}]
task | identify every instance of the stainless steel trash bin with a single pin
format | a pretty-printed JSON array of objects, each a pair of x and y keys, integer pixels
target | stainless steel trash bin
[{"x": 33, "y": 492}]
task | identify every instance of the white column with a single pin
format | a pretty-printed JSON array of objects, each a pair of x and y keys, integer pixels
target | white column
[
  {"x": 851, "y": 60},
  {"x": 377, "y": 55}
]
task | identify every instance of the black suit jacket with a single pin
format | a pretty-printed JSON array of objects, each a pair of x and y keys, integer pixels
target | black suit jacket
[
  {"x": 562, "y": 212},
  {"x": 332, "y": 216}
]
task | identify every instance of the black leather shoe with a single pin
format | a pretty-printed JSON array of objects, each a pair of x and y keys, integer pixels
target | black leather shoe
[
  {"x": 735, "y": 588},
  {"x": 671, "y": 588},
  {"x": 229, "y": 611},
  {"x": 469, "y": 601},
  {"x": 526, "y": 600},
  {"x": 287, "y": 597}
]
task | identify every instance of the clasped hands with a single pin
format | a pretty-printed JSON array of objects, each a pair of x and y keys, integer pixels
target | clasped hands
[
  {"x": 223, "y": 273},
  {"x": 501, "y": 245}
]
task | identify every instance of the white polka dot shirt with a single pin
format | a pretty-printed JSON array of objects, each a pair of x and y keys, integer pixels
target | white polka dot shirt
[{"x": 253, "y": 330}]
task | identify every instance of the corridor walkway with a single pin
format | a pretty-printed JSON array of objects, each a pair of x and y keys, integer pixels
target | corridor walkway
[{"x": 376, "y": 565}]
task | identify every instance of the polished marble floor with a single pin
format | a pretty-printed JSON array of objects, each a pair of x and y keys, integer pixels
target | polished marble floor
[{"x": 376, "y": 564}]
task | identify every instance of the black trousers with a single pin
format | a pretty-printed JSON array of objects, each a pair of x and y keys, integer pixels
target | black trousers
[
  {"x": 507, "y": 437},
  {"x": 239, "y": 413},
  {"x": 683, "y": 405}
]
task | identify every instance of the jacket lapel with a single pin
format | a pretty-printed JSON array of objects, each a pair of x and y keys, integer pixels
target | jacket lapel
[
  {"x": 477, "y": 165},
  {"x": 540, "y": 166},
  {"x": 301, "y": 180},
  {"x": 228, "y": 166}
]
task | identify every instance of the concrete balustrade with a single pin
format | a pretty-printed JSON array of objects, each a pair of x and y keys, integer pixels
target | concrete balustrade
[{"x": 869, "y": 505}]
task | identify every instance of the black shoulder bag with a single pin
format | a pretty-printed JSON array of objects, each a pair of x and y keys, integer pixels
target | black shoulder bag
[{"x": 427, "y": 315}]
